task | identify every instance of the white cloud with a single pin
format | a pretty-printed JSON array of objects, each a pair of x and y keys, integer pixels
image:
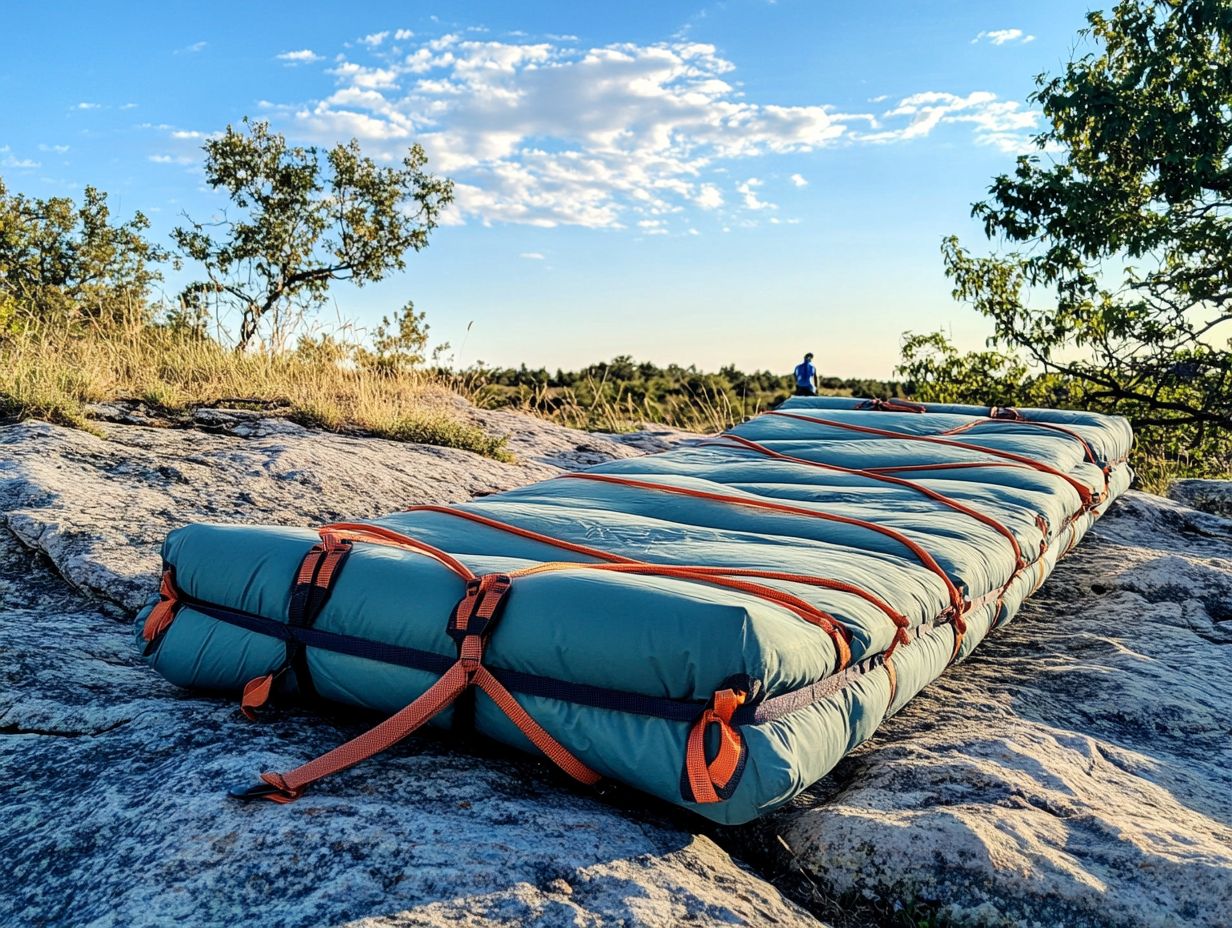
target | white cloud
[
  {"x": 128, "y": 106},
  {"x": 798, "y": 180},
  {"x": 708, "y": 197},
  {"x": 173, "y": 159},
  {"x": 303, "y": 56},
  {"x": 1001, "y": 123},
  {"x": 548, "y": 134},
  {"x": 748, "y": 190},
  {"x": 531, "y": 256},
  {"x": 57, "y": 149},
  {"x": 403, "y": 34},
  {"x": 88, "y": 106},
  {"x": 192, "y": 49},
  {"x": 9, "y": 161},
  {"x": 1003, "y": 37},
  {"x": 374, "y": 39},
  {"x": 187, "y": 134}
]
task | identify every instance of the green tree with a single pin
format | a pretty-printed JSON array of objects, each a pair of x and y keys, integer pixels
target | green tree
[
  {"x": 400, "y": 344},
  {"x": 303, "y": 219},
  {"x": 65, "y": 264},
  {"x": 1115, "y": 263},
  {"x": 937, "y": 372}
]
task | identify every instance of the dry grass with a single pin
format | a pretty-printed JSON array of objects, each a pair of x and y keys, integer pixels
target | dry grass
[
  {"x": 56, "y": 377},
  {"x": 594, "y": 409}
]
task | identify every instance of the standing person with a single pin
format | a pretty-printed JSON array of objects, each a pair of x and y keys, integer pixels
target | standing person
[{"x": 806, "y": 377}]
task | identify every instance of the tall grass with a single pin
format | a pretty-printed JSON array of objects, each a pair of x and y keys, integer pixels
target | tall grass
[
  {"x": 599, "y": 406},
  {"x": 56, "y": 376}
]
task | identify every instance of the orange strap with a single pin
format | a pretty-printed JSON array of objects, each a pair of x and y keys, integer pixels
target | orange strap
[
  {"x": 892, "y": 405},
  {"x": 805, "y": 610},
  {"x": 708, "y": 780},
  {"x": 1084, "y": 492},
  {"x": 896, "y": 481},
  {"x": 379, "y": 535},
  {"x": 471, "y": 621},
  {"x": 995, "y": 414},
  {"x": 313, "y": 579},
  {"x": 715, "y": 576},
  {"x": 956, "y": 598},
  {"x": 257, "y": 693},
  {"x": 528, "y": 533},
  {"x": 163, "y": 612}
]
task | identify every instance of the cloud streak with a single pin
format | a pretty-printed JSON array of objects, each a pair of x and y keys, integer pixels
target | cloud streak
[
  {"x": 302, "y": 56},
  {"x": 1003, "y": 37}
]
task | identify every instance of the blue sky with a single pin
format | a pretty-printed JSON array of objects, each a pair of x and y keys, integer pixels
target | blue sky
[{"x": 708, "y": 183}]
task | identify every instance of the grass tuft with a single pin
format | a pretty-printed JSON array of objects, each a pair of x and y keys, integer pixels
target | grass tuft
[{"x": 57, "y": 377}]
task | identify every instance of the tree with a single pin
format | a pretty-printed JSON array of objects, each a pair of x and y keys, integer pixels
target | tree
[
  {"x": 937, "y": 372},
  {"x": 306, "y": 219},
  {"x": 401, "y": 344},
  {"x": 1116, "y": 265},
  {"x": 64, "y": 264}
]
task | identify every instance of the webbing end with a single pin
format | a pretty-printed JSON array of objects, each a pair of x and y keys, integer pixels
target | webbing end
[
  {"x": 256, "y": 791},
  {"x": 263, "y": 790}
]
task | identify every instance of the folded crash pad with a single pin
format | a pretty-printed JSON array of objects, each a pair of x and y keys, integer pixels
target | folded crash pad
[{"x": 716, "y": 625}]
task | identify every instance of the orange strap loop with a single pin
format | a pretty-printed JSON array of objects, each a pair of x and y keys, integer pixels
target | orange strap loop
[
  {"x": 956, "y": 598},
  {"x": 1021, "y": 420},
  {"x": 379, "y": 535},
  {"x": 707, "y": 781},
  {"x": 159, "y": 619},
  {"x": 1084, "y": 492},
  {"x": 257, "y": 693},
  {"x": 470, "y": 623}
]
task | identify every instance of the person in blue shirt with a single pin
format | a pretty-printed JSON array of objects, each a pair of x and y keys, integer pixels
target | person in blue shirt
[{"x": 806, "y": 377}]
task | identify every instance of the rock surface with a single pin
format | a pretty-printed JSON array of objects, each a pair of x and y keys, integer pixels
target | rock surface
[
  {"x": 99, "y": 508},
  {"x": 111, "y": 780},
  {"x": 1077, "y": 769},
  {"x": 1214, "y": 496}
]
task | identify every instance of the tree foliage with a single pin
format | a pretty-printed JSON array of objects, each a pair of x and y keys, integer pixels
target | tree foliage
[
  {"x": 1115, "y": 265},
  {"x": 400, "y": 344},
  {"x": 67, "y": 264},
  {"x": 624, "y": 393},
  {"x": 937, "y": 372},
  {"x": 300, "y": 220}
]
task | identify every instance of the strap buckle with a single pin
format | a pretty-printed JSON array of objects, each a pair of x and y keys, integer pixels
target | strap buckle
[{"x": 480, "y": 607}]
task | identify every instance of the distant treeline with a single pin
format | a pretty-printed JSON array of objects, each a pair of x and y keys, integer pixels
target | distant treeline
[{"x": 624, "y": 393}]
